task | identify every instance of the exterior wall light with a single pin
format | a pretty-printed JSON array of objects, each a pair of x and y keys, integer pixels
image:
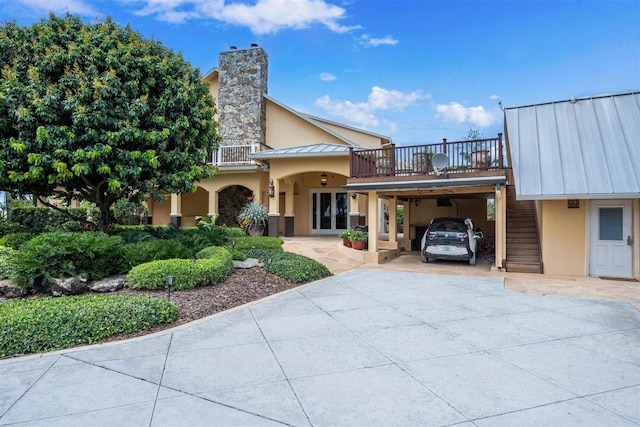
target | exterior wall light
[
  {"x": 272, "y": 189},
  {"x": 323, "y": 179}
]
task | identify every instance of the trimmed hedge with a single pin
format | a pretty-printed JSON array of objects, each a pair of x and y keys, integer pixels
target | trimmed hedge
[
  {"x": 247, "y": 243},
  {"x": 153, "y": 250},
  {"x": 65, "y": 254},
  {"x": 194, "y": 238},
  {"x": 44, "y": 218},
  {"x": 187, "y": 274},
  {"x": 214, "y": 252},
  {"x": 6, "y": 262},
  {"x": 15, "y": 240},
  {"x": 46, "y": 324},
  {"x": 292, "y": 267}
]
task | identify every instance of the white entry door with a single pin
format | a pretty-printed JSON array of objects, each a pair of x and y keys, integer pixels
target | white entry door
[
  {"x": 611, "y": 245},
  {"x": 329, "y": 211}
]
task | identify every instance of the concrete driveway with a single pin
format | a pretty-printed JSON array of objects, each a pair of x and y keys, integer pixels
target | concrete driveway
[{"x": 365, "y": 347}]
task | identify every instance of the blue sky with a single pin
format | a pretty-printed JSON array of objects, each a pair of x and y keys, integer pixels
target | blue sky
[{"x": 415, "y": 70}]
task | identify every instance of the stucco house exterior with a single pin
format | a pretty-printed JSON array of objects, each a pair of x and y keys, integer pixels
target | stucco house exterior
[
  {"x": 320, "y": 177},
  {"x": 578, "y": 161},
  {"x": 565, "y": 172},
  {"x": 293, "y": 163}
]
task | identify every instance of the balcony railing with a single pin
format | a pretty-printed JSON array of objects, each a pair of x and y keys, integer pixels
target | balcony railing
[
  {"x": 236, "y": 155},
  {"x": 463, "y": 156}
]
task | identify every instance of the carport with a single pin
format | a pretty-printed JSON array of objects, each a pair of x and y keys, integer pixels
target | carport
[{"x": 461, "y": 189}]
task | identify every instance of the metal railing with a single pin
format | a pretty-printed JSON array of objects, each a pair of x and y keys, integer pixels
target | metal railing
[
  {"x": 463, "y": 156},
  {"x": 236, "y": 154}
]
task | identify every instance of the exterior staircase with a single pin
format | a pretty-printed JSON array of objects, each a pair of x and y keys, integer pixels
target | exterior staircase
[{"x": 523, "y": 242}]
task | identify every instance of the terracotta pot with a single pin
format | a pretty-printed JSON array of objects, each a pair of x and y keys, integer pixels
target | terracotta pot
[
  {"x": 346, "y": 242},
  {"x": 358, "y": 244}
]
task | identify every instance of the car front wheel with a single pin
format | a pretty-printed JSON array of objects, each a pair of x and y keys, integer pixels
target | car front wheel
[{"x": 423, "y": 257}]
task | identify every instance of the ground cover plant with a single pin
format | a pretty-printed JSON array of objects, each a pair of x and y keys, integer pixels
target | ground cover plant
[
  {"x": 204, "y": 281},
  {"x": 46, "y": 324},
  {"x": 94, "y": 255}
]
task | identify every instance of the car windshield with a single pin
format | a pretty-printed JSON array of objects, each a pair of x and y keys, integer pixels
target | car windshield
[{"x": 448, "y": 225}]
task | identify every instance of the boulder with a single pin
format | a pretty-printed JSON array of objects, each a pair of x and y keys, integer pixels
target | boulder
[
  {"x": 108, "y": 284},
  {"x": 8, "y": 289},
  {"x": 248, "y": 263},
  {"x": 75, "y": 285}
]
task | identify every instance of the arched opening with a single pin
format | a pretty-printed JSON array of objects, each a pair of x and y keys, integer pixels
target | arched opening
[{"x": 230, "y": 202}]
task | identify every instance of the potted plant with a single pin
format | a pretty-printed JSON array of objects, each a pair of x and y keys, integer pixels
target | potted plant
[
  {"x": 252, "y": 218},
  {"x": 346, "y": 239},
  {"x": 476, "y": 151},
  {"x": 358, "y": 239},
  {"x": 422, "y": 161}
]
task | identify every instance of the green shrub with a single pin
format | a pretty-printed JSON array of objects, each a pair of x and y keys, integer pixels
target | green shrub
[
  {"x": 48, "y": 219},
  {"x": 153, "y": 250},
  {"x": 193, "y": 238},
  {"x": 46, "y": 324},
  {"x": 6, "y": 262},
  {"x": 214, "y": 252},
  {"x": 7, "y": 227},
  {"x": 292, "y": 267},
  {"x": 187, "y": 274},
  {"x": 246, "y": 243},
  {"x": 233, "y": 232},
  {"x": 65, "y": 254},
  {"x": 15, "y": 240}
]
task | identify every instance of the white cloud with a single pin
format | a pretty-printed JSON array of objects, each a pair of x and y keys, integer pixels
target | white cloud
[
  {"x": 495, "y": 97},
  {"x": 59, "y": 7},
  {"x": 363, "y": 113},
  {"x": 262, "y": 17},
  {"x": 455, "y": 112},
  {"x": 368, "y": 41},
  {"x": 327, "y": 77}
]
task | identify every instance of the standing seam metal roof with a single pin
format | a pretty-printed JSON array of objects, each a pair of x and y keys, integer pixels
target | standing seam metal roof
[{"x": 578, "y": 148}]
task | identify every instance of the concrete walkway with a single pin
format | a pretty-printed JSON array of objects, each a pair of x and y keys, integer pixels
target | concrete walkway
[
  {"x": 369, "y": 346},
  {"x": 323, "y": 249}
]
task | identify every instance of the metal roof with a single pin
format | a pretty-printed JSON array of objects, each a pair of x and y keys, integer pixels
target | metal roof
[
  {"x": 578, "y": 148},
  {"x": 315, "y": 150}
]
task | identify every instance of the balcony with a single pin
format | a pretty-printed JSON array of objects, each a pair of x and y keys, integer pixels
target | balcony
[
  {"x": 236, "y": 154},
  {"x": 465, "y": 158}
]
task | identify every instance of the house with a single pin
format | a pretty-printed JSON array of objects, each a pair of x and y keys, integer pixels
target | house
[
  {"x": 293, "y": 163},
  {"x": 321, "y": 177},
  {"x": 577, "y": 162}
]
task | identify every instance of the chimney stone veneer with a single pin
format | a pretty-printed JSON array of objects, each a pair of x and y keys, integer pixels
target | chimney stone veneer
[{"x": 242, "y": 76}]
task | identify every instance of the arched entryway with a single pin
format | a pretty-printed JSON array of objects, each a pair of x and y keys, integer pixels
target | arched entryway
[{"x": 230, "y": 202}]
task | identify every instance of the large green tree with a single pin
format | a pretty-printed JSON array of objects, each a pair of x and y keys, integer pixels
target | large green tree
[{"x": 96, "y": 112}]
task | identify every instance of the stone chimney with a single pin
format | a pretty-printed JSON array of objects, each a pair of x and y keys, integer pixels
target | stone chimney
[{"x": 242, "y": 76}]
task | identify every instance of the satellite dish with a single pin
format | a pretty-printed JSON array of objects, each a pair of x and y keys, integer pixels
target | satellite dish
[{"x": 439, "y": 161}]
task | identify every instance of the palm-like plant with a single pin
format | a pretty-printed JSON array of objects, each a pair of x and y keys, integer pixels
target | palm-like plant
[{"x": 253, "y": 217}]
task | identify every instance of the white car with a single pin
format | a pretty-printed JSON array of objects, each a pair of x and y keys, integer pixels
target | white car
[{"x": 450, "y": 238}]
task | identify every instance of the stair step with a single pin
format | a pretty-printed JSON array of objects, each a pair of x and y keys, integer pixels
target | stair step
[
  {"x": 523, "y": 259},
  {"x": 523, "y": 247},
  {"x": 522, "y": 267}
]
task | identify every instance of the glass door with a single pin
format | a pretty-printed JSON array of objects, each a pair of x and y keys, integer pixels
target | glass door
[{"x": 329, "y": 211}]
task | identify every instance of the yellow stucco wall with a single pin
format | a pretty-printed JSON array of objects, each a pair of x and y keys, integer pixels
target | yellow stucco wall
[
  {"x": 160, "y": 211},
  {"x": 194, "y": 204},
  {"x": 363, "y": 139},
  {"x": 285, "y": 129},
  {"x": 563, "y": 237}
]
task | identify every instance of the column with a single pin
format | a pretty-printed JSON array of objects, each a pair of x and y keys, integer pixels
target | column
[
  {"x": 212, "y": 204},
  {"x": 289, "y": 209},
  {"x": 372, "y": 220},
  {"x": 176, "y": 210},
  {"x": 501, "y": 225},
  {"x": 354, "y": 214},
  {"x": 393, "y": 219},
  {"x": 274, "y": 210}
]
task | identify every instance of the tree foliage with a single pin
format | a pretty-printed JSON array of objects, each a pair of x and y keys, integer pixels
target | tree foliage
[{"x": 95, "y": 112}]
